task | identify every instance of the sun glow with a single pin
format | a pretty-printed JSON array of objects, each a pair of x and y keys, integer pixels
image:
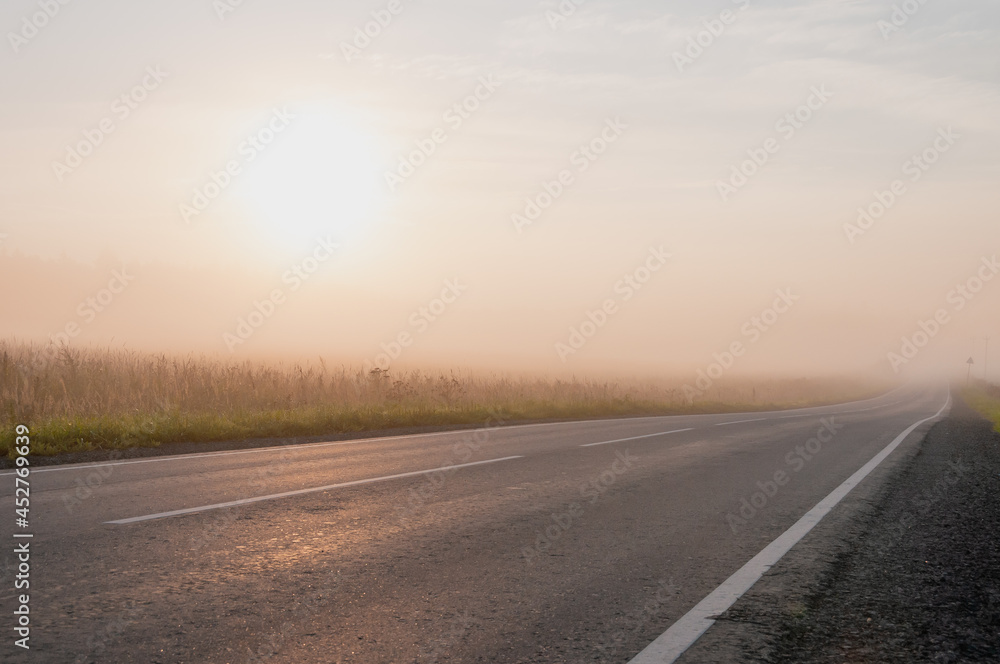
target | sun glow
[{"x": 317, "y": 177}]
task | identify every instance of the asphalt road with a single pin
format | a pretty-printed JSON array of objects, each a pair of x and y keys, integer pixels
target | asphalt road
[{"x": 569, "y": 542}]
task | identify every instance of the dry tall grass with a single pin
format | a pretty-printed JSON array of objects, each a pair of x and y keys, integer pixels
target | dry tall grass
[{"x": 79, "y": 399}]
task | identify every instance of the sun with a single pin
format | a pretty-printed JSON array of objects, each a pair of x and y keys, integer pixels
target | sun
[{"x": 316, "y": 177}]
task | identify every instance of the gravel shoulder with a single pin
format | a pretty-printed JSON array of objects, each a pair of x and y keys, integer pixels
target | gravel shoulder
[{"x": 906, "y": 570}]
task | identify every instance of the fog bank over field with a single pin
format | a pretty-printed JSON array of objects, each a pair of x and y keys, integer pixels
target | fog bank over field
[
  {"x": 452, "y": 322},
  {"x": 624, "y": 189}
]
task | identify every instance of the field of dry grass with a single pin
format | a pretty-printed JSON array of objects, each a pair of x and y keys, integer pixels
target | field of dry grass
[{"x": 85, "y": 399}]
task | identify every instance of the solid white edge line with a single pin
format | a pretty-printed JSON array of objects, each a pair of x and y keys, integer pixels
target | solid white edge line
[
  {"x": 274, "y": 448},
  {"x": 307, "y": 446},
  {"x": 649, "y": 435},
  {"x": 303, "y": 446},
  {"x": 759, "y": 419},
  {"x": 299, "y": 492},
  {"x": 682, "y": 634},
  {"x": 199, "y": 455}
]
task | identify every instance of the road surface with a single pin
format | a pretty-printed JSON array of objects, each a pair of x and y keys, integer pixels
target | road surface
[{"x": 575, "y": 542}]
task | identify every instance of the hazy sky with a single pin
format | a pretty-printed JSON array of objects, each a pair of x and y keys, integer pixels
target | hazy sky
[{"x": 424, "y": 150}]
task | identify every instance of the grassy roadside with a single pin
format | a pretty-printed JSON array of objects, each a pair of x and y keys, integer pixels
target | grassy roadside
[
  {"x": 985, "y": 399},
  {"x": 80, "y": 400}
]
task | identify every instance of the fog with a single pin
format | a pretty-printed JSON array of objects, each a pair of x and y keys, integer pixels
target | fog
[{"x": 604, "y": 188}]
